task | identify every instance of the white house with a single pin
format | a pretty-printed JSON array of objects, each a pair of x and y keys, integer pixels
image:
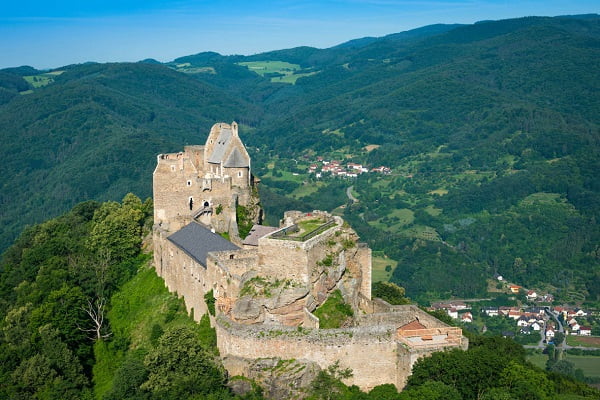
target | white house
[
  {"x": 585, "y": 331},
  {"x": 466, "y": 317},
  {"x": 452, "y": 312},
  {"x": 580, "y": 313},
  {"x": 574, "y": 328},
  {"x": 531, "y": 295},
  {"x": 490, "y": 311}
]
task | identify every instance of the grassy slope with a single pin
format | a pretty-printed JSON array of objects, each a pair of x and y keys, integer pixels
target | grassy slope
[{"x": 142, "y": 303}]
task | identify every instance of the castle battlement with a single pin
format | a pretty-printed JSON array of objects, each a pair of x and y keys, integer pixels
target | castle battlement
[{"x": 266, "y": 293}]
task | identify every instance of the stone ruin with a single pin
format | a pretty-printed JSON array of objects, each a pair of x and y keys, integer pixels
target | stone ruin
[{"x": 267, "y": 287}]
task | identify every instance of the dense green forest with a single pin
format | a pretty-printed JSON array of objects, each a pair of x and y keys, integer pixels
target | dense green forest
[
  {"x": 84, "y": 316},
  {"x": 491, "y": 131}
]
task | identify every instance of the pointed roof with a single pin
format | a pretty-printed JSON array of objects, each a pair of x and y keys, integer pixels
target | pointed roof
[
  {"x": 221, "y": 146},
  {"x": 236, "y": 160}
]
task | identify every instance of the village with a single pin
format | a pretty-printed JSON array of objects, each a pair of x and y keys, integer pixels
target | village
[
  {"x": 335, "y": 168},
  {"x": 531, "y": 319}
]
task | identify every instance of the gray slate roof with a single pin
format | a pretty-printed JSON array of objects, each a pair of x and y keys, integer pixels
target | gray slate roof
[
  {"x": 236, "y": 160},
  {"x": 220, "y": 147},
  {"x": 197, "y": 241}
]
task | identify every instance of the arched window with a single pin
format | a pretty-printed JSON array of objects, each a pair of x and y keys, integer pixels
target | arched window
[{"x": 206, "y": 204}]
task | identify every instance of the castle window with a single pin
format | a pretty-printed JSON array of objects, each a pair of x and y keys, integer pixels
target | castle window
[
  {"x": 191, "y": 203},
  {"x": 189, "y": 183},
  {"x": 240, "y": 174},
  {"x": 173, "y": 168},
  {"x": 231, "y": 256},
  {"x": 206, "y": 204}
]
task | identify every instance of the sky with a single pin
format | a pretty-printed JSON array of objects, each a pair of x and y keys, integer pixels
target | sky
[{"x": 49, "y": 34}]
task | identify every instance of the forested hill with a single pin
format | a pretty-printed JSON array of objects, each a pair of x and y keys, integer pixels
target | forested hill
[
  {"x": 490, "y": 129},
  {"x": 94, "y": 133}
]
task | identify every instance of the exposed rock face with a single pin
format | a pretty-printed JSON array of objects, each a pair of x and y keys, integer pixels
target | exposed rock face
[
  {"x": 280, "y": 379},
  {"x": 271, "y": 303},
  {"x": 247, "y": 310}
]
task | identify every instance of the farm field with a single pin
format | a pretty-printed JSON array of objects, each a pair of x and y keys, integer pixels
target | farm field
[
  {"x": 307, "y": 189},
  {"x": 378, "y": 271},
  {"x": 43, "y": 79},
  {"x": 590, "y": 365},
  {"x": 584, "y": 341},
  {"x": 395, "y": 220},
  {"x": 278, "y": 71}
]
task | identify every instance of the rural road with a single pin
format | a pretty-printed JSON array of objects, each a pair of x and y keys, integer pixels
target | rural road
[{"x": 350, "y": 196}]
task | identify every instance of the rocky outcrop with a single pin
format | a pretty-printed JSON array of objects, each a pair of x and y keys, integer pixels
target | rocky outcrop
[
  {"x": 270, "y": 302},
  {"x": 280, "y": 379}
]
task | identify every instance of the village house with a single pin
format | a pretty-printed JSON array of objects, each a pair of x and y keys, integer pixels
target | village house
[
  {"x": 523, "y": 321},
  {"x": 490, "y": 311},
  {"x": 536, "y": 326},
  {"x": 514, "y": 314},
  {"x": 466, "y": 317},
  {"x": 585, "y": 331},
  {"x": 574, "y": 327},
  {"x": 458, "y": 305},
  {"x": 382, "y": 170},
  {"x": 547, "y": 298}
]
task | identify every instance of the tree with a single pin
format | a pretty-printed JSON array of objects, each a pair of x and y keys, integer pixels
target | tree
[
  {"x": 384, "y": 392},
  {"x": 95, "y": 310},
  {"x": 179, "y": 367},
  {"x": 431, "y": 390},
  {"x": 559, "y": 337},
  {"x": 117, "y": 228},
  {"x": 53, "y": 372},
  {"x": 128, "y": 380},
  {"x": 525, "y": 383},
  {"x": 390, "y": 292},
  {"x": 328, "y": 384}
]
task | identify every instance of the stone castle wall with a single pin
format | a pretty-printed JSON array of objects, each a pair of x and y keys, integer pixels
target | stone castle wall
[
  {"x": 370, "y": 353},
  {"x": 299, "y": 275},
  {"x": 181, "y": 274}
]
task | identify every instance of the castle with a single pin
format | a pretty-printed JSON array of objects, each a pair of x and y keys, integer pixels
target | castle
[{"x": 265, "y": 287}]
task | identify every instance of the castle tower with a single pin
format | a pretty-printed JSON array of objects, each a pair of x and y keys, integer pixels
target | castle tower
[{"x": 204, "y": 183}]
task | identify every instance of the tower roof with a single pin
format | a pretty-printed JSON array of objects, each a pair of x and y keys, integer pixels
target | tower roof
[
  {"x": 221, "y": 146},
  {"x": 236, "y": 160}
]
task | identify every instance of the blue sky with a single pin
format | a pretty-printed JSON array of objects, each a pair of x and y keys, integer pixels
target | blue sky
[{"x": 47, "y": 34}]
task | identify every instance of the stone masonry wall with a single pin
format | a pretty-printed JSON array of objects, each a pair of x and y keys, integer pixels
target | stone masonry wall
[
  {"x": 181, "y": 274},
  {"x": 370, "y": 354},
  {"x": 289, "y": 259}
]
